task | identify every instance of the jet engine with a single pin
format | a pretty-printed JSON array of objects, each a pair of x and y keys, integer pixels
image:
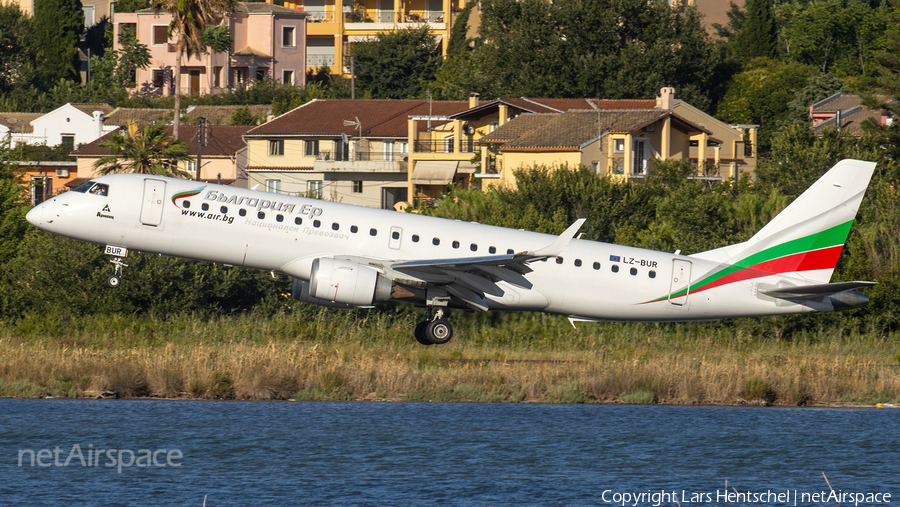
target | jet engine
[{"x": 342, "y": 284}]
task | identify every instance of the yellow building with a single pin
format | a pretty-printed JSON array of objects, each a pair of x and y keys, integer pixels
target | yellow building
[{"x": 334, "y": 25}]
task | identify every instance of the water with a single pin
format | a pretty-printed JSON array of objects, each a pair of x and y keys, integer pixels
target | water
[{"x": 281, "y": 453}]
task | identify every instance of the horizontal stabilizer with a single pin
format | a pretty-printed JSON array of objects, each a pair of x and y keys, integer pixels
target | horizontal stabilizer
[{"x": 817, "y": 290}]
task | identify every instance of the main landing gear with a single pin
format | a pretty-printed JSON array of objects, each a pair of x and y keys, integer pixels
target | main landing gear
[
  {"x": 434, "y": 331},
  {"x": 114, "y": 279}
]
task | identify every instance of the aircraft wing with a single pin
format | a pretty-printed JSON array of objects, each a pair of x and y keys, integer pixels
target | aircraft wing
[{"x": 470, "y": 278}]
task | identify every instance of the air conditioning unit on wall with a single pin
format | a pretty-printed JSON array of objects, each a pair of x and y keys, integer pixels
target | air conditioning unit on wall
[{"x": 62, "y": 173}]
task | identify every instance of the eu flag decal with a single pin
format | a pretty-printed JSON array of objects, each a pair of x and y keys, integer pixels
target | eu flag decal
[{"x": 614, "y": 258}]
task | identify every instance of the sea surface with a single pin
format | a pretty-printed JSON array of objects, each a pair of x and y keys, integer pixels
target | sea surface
[{"x": 185, "y": 453}]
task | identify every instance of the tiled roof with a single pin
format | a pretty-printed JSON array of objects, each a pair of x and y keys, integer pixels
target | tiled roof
[
  {"x": 19, "y": 122},
  {"x": 851, "y": 120},
  {"x": 221, "y": 115},
  {"x": 141, "y": 115},
  {"x": 248, "y": 51},
  {"x": 574, "y": 128},
  {"x": 224, "y": 141},
  {"x": 263, "y": 8},
  {"x": 844, "y": 101},
  {"x": 610, "y": 104},
  {"x": 89, "y": 109},
  {"x": 379, "y": 118}
]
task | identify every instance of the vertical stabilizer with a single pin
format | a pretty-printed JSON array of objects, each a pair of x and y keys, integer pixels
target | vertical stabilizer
[{"x": 807, "y": 237}]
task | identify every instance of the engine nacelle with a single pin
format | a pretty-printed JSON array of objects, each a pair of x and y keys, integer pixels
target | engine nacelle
[{"x": 342, "y": 284}]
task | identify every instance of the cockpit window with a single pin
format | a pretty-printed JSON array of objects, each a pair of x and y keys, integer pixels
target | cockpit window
[
  {"x": 83, "y": 187},
  {"x": 99, "y": 189}
]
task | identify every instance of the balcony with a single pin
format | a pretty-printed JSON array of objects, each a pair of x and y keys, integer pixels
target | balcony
[
  {"x": 389, "y": 20},
  {"x": 445, "y": 146},
  {"x": 361, "y": 162}
]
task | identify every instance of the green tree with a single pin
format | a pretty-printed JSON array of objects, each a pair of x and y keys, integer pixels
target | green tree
[
  {"x": 397, "y": 64},
  {"x": 17, "y": 53},
  {"x": 147, "y": 150},
  {"x": 243, "y": 116},
  {"x": 758, "y": 35},
  {"x": 189, "y": 19},
  {"x": 817, "y": 88},
  {"x": 57, "y": 29},
  {"x": 133, "y": 56}
]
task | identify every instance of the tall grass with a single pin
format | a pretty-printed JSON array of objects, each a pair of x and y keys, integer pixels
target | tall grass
[{"x": 330, "y": 355}]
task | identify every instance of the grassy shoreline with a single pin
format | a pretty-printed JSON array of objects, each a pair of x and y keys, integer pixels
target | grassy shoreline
[{"x": 327, "y": 355}]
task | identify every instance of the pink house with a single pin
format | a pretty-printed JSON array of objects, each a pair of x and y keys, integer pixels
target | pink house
[{"x": 269, "y": 43}]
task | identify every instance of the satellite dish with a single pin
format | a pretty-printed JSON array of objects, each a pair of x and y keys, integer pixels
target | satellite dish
[{"x": 344, "y": 138}]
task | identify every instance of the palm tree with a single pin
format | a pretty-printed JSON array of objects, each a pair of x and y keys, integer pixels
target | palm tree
[
  {"x": 189, "y": 19},
  {"x": 146, "y": 150}
]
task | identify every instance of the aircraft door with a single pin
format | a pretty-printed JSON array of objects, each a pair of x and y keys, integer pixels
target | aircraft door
[
  {"x": 681, "y": 279},
  {"x": 154, "y": 197},
  {"x": 396, "y": 237}
]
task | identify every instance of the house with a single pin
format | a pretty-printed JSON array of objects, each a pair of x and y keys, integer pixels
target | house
[
  {"x": 335, "y": 25},
  {"x": 17, "y": 128},
  {"x": 224, "y": 157},
  {"x": 46, "y": 178},
  {"x": 353, "y": 151},
  {"x": 269, "y": 43},
  {"x": 846, "y": 112},
  {"x": 71, "y": 124}
]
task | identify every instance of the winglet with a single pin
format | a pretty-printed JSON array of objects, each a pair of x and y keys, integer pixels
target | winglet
[{"x": 555, "y": 248}]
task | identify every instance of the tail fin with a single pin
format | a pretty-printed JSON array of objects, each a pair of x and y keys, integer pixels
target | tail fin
[{"x": 807, "y": 237}]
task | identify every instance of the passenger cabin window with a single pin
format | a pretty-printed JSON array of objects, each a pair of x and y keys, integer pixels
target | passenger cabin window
[
  {"x": 596, "y": 265},
  {"x": 204, "y": 207},
  {"x": 633, "y": 271},
  {"x": 297, "y": 220},
  {"x": 317, "y": 223},
  {"x": 187, "y": 204},
  {"x": 279, "y": 218},
  {"x": 373, "y": 232},
  {"x": 224, "y": 209},
  {"x": 354, "y": 229},
  {"x": 510, "y": 251},
  {"x": 436, "y": 241},
  {"x": 335, "y": 226},
  {"x": 415, "y": 238},
  {"x": 652, "y": 274},
  {"x": 260, "y": 215},
  {"x": 395, "y": 235},
  {"x": 492, "y": 249},
  {"x": 614, "y": 268},
  {"x": 456, "y": 244},
  {"x": 559, "y": 260},
  {"x": 577, "y": 263},
  {"x": 242, "y": 212}
]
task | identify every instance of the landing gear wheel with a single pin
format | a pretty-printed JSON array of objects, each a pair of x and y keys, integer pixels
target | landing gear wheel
[
  {"x": 113, "y": 281},
  {"x": 439, "y": 331},
  {"x": 420, "y": 333}
]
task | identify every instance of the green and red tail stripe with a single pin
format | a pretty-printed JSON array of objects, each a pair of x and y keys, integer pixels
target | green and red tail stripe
[
  {"x": 810, "y": 253},
  {"x": 184, "y": 195}
]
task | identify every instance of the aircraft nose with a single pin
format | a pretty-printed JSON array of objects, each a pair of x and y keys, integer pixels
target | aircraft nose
[{"x": 36, "y": 215}]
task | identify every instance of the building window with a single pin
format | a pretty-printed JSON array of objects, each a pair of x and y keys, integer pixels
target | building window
[
  {"x": 357, "y": 187},
  {"x": 618, "y": 145},
  {"x": 160, "y": 34},
  {"x": 190, "y": 166},
  {"x": 276, "y": 148},
  {"x": 312, "y": 148},
  {"x": 315, "y": 189},
  {"x": 388, "y": 151},
  {"x": 404, "y": 147},
  {"x": 273, "y": 186},
  {"x": 68, "y": 140},
  {"x": 287, "y": 77},
  {"x": 240, "y": 76},
  {"x": 288, "y": 37},
  {"x": 595, "y": 166},
  {"x": 41, "y": 189},
  {"x": 159, "y": 78}
]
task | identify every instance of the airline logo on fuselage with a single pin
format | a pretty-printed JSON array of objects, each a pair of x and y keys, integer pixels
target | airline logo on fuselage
[
  {"x": 262, "y": 204},
  {"x": 185, "y": 195}
]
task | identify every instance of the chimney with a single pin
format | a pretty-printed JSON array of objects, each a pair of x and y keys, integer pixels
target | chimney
[
  {"x": 98, "y": 124},
  {"x": 473, "y": 100},
  {"x": 666, "y": 98}
]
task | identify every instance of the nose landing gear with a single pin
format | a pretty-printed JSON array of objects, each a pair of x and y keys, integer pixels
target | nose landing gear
[
  {"x": 114, "y": 279},
  {"x": 433, "y": 331}
]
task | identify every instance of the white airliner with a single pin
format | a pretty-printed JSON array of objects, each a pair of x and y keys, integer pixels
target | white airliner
[{"x": 345, "y": 256}]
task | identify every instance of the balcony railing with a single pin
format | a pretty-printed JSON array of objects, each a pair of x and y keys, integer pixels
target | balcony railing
[
  {"x": 361, "y": 156},
  {"x": 320, "y": 17},
  {"x": 319, "y": 60},
  {"x": 443, "y": 147}
]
